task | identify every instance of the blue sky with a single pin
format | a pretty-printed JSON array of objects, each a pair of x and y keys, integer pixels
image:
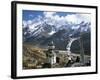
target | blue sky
[
  {"x": 30, "y": 14},
  {"x": 33, "y": 18}
]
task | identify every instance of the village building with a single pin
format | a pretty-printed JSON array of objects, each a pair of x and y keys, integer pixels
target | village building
[{"x": 51, "y": 55}]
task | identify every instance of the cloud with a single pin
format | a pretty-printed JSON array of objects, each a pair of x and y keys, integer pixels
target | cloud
[
  {"x": 78, "y": 18},
  {"x": 49, "y": 14},
  {"x": 70, "y": 18},
  {"x": 24, "y": 23},
  {"x": 85, "y": 17},
  {"x": 52, "y": 18},
  {"x": 29, "y": 22},
  {"x": 31, "y": 15}
]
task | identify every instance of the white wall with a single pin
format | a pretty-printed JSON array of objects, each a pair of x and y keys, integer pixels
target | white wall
[{"x": 5, "y": 37}]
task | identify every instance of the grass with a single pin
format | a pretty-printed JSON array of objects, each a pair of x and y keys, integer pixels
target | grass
[{"x": 35, "y": 57}]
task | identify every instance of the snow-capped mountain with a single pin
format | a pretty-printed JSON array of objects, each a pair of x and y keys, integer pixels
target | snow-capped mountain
[
  {"x": 53, "y": 26},
  {"x": 47, "y": 27}
]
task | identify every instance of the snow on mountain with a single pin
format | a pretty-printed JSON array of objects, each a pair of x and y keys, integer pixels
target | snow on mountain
[{"x": 51, "y": 23}]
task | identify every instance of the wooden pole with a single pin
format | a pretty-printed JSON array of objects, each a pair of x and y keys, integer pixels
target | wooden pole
[{"x": 81, "y": 50}]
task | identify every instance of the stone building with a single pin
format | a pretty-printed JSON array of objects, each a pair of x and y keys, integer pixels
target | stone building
[{"x": 50, "y": 54}]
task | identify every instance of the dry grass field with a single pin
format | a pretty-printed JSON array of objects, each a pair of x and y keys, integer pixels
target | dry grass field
[{"x": 35, "y": 57}]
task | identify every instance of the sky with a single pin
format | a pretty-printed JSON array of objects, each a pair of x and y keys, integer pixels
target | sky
[
  {"x": 35, "y": 21},
  {"x": 31, "y": 19},
  {"x": 30, "y": 16}
]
